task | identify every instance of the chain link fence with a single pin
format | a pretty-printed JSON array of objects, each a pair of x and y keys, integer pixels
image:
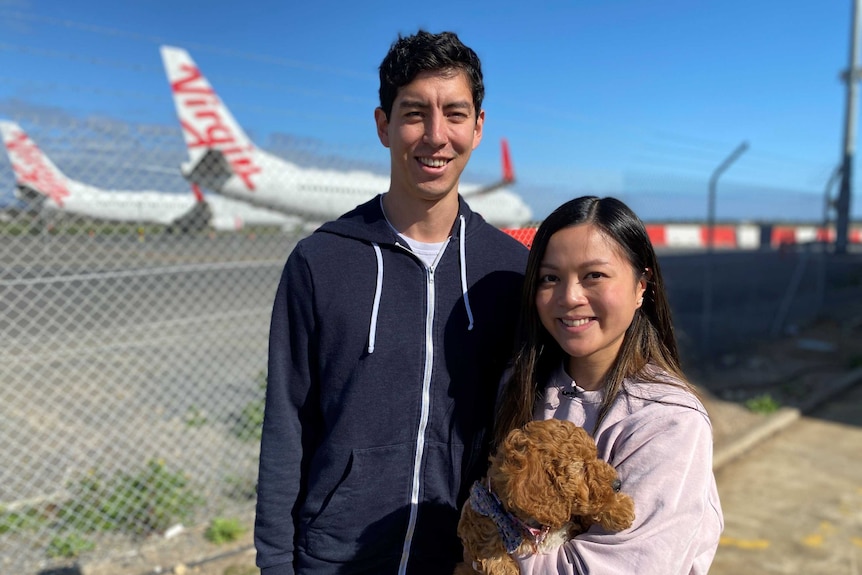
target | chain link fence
[
  {"x": 133, "y": 356},
  {"x": 133, "y": 360}
]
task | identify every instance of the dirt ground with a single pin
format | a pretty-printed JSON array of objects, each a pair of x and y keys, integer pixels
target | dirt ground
[
  {"x": 793, "y": 502},
  {"x": 785, "y": 377},
  {"x": 797, "y": 372}
]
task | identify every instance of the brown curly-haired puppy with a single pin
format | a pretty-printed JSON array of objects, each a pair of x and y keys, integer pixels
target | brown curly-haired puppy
[{"x": 547, "y": 484}]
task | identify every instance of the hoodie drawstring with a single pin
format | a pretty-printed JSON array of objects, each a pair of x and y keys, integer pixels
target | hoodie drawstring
[
  {"x": 372, "y": 330},
  {"x": 463, "y": 259}
]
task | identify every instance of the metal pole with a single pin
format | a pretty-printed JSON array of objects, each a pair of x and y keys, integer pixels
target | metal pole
[
  {"x": 706, "y": 316},
  {"x": 842, "y": 204},
  {"x": 710, "y": 212},
  {"x": 828, "y": 204}
]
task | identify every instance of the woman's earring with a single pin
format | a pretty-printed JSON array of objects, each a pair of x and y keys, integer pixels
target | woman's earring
[{"x": 641, "y": 300}]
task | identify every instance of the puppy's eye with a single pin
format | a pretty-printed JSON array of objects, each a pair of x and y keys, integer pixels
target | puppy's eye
[{"x": 617, "y": 485}]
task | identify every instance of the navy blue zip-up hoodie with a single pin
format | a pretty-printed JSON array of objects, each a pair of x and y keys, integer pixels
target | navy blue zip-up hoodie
[{"x": 382, "y": 379}]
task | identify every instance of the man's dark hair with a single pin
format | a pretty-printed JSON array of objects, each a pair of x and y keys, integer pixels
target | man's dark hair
[{"x": 426, "y": 52}]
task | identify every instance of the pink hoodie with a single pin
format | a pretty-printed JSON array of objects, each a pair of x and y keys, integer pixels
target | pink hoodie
[{"x": 659, "y": 439}]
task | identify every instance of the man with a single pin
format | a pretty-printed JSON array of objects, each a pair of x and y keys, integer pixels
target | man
[{"x": 390, "y": 331}]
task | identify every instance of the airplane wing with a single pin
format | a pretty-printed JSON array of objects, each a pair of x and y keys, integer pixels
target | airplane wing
[{"x": 198, "y": 218}]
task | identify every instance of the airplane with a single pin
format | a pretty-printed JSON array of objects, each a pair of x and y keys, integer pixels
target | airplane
[
  {"x": 223, "y": 159},
  {"x": 42, "y": 185}
]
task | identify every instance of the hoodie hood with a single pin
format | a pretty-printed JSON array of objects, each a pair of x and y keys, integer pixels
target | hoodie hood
[{"x": 368, "y": 223}]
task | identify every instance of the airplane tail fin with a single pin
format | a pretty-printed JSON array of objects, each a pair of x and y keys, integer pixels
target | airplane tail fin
[
  {"x": 508, "y": 177},
  {"x": 508, "y": 168},
  {"x": 198, "y": 194},
  {"x": 218, "y": 147},
  {"x": 37, "y": 177}
]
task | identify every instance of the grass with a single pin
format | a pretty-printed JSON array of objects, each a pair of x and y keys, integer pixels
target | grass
[
  {"x": 196, "y": 417},
  {"x": 249, "y": 423},
  {"x": 140, "y": 504},
  {"x": 764, "y": 404},
  {"x": 224, "y": 530},
  {"x": 137, "y": 504},
  {"x": 30, "y": 519},
  {"x": 69, "y": 546}
]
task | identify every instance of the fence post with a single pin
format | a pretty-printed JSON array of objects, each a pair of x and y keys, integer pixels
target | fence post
[{"x": 710, "y": 240}]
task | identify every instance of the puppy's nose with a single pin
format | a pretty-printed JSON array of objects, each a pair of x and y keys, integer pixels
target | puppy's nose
[{"x": 617, "y": 485}]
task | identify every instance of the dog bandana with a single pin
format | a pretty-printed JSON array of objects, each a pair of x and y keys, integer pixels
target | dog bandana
[{"x": 485, "y": 502}]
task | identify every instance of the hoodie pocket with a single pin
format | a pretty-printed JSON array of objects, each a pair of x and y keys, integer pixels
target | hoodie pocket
[{"x": 366, "y": 514}]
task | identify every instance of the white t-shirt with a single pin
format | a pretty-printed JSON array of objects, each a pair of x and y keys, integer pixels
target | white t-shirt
[{"x": 426, "y": 252}]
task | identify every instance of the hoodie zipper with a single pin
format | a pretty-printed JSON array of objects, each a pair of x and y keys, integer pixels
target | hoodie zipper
[{"x": 425, "y": 410}]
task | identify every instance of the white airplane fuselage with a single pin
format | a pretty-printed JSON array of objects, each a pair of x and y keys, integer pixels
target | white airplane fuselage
[
  {"x": 126, "y": 206},
  {"x": 41, "y": 181},
  {"x": 161, "y": 208},
  {"x": 320, "y": 195}
]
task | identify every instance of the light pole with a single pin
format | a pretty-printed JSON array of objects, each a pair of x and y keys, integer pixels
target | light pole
[
  {"x": 713, "y": 179},
  {"x": 706, "y": 316},
  {"x": 842, "y": 203}
]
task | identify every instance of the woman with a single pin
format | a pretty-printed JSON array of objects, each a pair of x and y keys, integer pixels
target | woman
[{"x": 597, "y": 348}]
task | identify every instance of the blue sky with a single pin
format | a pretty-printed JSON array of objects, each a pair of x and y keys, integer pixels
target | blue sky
[{"x": 642, "y": 99}]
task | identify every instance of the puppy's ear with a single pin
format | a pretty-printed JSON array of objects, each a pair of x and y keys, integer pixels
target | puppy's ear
[
  {"x": 523, "y": 472},
  {"x": 611, "y": 509},
  {"x": 604, "y": 497},
  {"x": 518, "y": 441}
]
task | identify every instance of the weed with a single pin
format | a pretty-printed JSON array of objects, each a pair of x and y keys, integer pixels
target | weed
[
  {"x": 243, "y": 488},
  {"x": 29, "y": 519},
  {"x": 195, "y": 417},
  {"x": 224, "y": 530},
  {"x": 69, "y": 546},
  {"x": 139, "y": 504},
  {"x": 249, "y": 423},
  {"x": 762, "y": 404}
]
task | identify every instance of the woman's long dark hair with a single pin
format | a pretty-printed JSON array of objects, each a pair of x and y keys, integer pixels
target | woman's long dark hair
[{"x": 648, "y": 340}]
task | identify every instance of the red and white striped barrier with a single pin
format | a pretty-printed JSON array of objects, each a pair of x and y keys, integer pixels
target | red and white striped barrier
[{"x": 741, "y": 236}]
